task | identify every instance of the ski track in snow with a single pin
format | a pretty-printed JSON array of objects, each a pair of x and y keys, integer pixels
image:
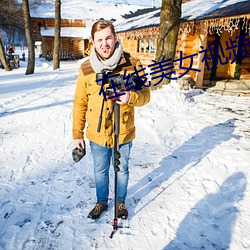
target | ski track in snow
[{"x": 182, "y": 187}]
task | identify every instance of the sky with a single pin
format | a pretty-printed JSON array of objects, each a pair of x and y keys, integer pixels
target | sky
[{"x": 189, "y": 169}]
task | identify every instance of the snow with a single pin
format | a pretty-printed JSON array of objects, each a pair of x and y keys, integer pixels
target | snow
[
  {"x": 86, "y": 10},
  {"x": 155, "y": 3},
  {"x": 196, "y": 9},
  {"x": 145, "y": 20},
  {"x": 84, "y": 33},
  {"x": 192, "y": 10},
  {"x": 189, "y": 169}
]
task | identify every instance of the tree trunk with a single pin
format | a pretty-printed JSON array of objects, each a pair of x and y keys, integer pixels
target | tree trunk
[
  {"x": 56, "y": 59},
  {"x": 3, "y": 57},
  {"x": 167, "y": 40},
  {"x": 28, "y": 33}
]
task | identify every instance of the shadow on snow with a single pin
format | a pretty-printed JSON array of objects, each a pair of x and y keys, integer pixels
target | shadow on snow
[
  {"x": 22, "y": 110},
  {"x": 190, "y": 153},
  {"x": 210, "y": 223}
]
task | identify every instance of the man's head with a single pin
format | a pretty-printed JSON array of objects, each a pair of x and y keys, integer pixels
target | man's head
[{"x": 104, "y": 38}]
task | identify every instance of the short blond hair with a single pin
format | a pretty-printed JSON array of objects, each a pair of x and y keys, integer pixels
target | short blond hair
[{"x": 100, "y": 25}]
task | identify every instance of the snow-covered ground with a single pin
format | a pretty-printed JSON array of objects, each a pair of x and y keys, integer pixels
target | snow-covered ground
[{"x": 189, "y": 170}]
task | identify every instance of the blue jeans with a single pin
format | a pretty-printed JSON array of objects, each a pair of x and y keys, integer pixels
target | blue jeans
[{"x": 102, "y": 157}]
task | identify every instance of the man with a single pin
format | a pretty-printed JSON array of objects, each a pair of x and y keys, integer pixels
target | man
[{"x": 107, "y": 54}]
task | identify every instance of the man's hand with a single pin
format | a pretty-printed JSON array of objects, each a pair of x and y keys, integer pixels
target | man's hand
[
  {"x": 79, "y": 143},
  {"x": 123, "y": 99},
  {"x": 79, "y": 151}
]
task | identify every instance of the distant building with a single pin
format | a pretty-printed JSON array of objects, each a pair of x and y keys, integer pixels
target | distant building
[{"x": 77, "y": 19}]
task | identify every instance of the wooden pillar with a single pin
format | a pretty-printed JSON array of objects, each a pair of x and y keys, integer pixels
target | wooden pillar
[
  {"x": 200, "y": 75},
  {"x": 144, "y": 45},
  {"x": 140, "y": 42}
]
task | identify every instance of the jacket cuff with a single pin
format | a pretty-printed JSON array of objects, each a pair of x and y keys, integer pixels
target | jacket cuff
[
  {"x": 77, "y": 135},
  {"x": 131, "y": 98}
]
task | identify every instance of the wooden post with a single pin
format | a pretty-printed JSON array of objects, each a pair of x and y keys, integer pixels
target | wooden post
[{"x": 200, "y": 75}]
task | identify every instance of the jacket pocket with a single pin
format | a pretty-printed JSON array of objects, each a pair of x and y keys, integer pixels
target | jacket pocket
[{"x": 127, "y": 120}]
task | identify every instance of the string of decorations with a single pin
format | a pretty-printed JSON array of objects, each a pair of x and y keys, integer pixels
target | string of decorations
[
  {"x": 150, "y": 32},
  {"x": 217, "y": 25}
]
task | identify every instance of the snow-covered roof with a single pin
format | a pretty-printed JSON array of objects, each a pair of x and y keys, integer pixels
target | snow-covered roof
[
  {"x": 80, "y": 32},
  {"x": 145, "y": 20},
  {"x": 197, "y": 9},
  {"x": 192, "y": 10},
  {"x": 85, "y": 10}
]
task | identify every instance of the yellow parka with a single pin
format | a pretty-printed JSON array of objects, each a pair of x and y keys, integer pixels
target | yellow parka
[{"x": 87, "y": 105}]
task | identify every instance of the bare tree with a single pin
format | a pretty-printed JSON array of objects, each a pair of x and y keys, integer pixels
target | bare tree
[
  {"x": 11, "y": 16},
  {"x": 11, "y": 24},
  {"x": 3, "y": 57},
  {"x": 36, "y": 3},
  {"x": 28, "y": 33},
  {"x": 56, "y": 59},
  {"x": 168, "y": 35}
]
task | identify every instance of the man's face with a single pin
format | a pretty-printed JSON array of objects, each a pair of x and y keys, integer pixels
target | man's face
[{"x": 104, "y": 42}]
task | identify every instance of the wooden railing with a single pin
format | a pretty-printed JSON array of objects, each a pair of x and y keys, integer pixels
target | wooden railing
[{"x": 64, "y": 55}]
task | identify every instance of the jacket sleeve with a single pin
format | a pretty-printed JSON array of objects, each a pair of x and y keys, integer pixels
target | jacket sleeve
[
  {"x": 80, "y": 105},
  {"x": 140, "y": 97}
]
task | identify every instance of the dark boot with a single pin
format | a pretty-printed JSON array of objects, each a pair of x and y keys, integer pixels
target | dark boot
[
  {"x": 97, "y": 210},
  {"x": 122, "y": 211}
]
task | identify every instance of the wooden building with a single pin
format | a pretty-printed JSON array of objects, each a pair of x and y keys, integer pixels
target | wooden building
[
  {"x": 77, "y": 19},
  {"x": 221, "y": 24},
  {"x": 75, "y": 36}
]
